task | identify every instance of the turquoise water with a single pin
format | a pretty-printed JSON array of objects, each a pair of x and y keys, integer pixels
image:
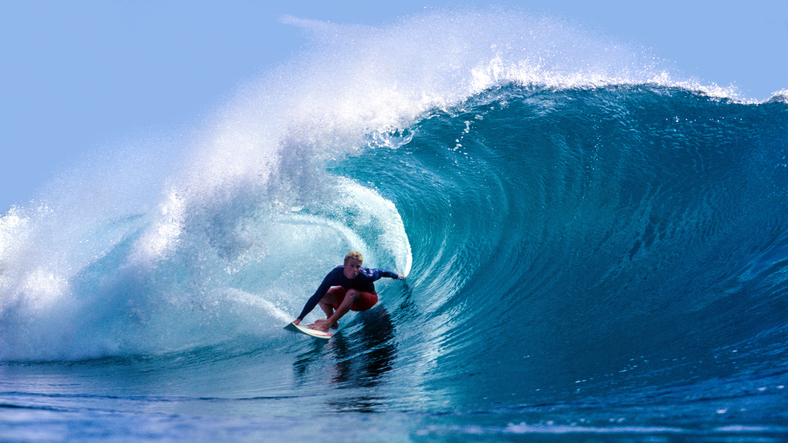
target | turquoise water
[{"x": 594, "y": 251}]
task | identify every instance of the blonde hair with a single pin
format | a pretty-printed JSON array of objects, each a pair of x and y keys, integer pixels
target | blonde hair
[{"x": 355, "y": 256}]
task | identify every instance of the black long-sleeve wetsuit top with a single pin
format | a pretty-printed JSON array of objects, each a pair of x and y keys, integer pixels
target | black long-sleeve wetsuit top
[{"x": 362, "y": 283}]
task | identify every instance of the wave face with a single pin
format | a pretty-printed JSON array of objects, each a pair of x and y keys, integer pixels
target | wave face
[
  {"x": 578, "y": 234},
  {"x": 578, "y": 231}
]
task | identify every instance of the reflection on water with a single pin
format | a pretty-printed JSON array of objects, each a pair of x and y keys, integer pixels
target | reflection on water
[{"x": 358, "y": 356}]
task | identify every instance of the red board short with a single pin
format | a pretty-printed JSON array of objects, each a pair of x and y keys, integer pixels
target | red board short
[{"x": 364, "y": 301}]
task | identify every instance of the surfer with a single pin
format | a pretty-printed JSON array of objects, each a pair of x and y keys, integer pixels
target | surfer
[{"x": 345, "y": 288}]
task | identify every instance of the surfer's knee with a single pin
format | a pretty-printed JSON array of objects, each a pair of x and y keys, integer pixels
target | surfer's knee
[{"x": 353, "y": 294}]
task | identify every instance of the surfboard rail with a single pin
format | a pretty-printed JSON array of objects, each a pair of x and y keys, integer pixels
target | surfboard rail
[{"x": 308, "y": 331}]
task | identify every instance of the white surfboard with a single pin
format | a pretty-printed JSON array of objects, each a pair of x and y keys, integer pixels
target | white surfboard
[{"x": 308, "y": 331}]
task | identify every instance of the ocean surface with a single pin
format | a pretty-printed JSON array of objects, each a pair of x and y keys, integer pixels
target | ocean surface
[{"x": 596, "y": 249}]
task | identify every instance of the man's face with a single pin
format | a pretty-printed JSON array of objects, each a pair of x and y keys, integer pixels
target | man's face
[{"x": 352, "y": 266}]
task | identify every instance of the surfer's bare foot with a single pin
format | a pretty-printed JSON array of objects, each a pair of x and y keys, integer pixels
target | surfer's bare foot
[{"x": 320, "y": 325}]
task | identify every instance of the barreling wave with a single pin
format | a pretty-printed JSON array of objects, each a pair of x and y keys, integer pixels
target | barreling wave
[
  {"x": 566, "y": 212},
  {"x": 136, "y": 250},
  {"x": 568, "y": 235}
]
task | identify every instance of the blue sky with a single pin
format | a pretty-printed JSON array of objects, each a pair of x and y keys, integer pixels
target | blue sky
[{"x": 80, "y": 75}]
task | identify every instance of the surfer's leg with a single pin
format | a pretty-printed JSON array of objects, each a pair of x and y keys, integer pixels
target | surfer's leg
[
  {"x": 350, "y": 297},
  {"x": 323, "y": 325},
  {"x": 331, "y": 300},
  {"x": 327, "y": 307}
]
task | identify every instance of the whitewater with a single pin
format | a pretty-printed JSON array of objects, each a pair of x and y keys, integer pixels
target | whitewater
[{"x": 596, "y": 248}]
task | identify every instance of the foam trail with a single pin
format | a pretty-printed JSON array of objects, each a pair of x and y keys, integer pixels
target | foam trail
[{"x": 253, "y": 300}]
